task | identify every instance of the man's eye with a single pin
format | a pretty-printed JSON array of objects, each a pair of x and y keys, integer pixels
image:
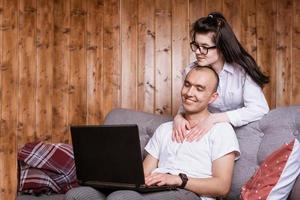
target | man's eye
[{"x": 199, "y": 89}]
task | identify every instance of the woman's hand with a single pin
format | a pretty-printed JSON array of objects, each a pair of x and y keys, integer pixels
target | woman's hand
[
  {"x": 198, "y": 131},
  {"x": 162, "y": 179},
  {"x": 180, "y": 126}
]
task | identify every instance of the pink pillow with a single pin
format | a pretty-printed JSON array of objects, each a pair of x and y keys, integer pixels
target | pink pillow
[{"x": 276, "y": 176}]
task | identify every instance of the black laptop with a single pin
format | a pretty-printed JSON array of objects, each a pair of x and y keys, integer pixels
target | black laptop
[{"x": 109, "y": 157}]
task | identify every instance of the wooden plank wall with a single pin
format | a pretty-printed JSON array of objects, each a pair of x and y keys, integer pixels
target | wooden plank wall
[{"x": 68, "y": 62}]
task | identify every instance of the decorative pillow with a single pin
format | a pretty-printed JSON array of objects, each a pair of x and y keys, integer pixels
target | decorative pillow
[
  {"x": 276, "y": 175},
  {"x": 46, "y": 168}
]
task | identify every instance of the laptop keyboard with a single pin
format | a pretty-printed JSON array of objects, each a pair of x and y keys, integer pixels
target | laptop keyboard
[{"x": 100, "y": 184}]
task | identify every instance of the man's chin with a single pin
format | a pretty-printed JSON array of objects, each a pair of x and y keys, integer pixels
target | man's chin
[{"x": 190, "y": 110}]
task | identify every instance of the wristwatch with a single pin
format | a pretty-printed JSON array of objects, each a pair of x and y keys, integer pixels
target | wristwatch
[{"x": 184, "y": 179}]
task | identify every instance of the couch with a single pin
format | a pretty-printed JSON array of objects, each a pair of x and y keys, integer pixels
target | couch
[{"x": 257, "y": 140}]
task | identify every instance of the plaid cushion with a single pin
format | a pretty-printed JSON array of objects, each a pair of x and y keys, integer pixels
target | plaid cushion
[{"x": 46, "y": 168}]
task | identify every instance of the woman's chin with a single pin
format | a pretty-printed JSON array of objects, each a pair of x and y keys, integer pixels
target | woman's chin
[{"x": 201, "y": 62}]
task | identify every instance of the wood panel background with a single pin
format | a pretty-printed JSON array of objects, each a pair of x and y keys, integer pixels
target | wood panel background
[{"x": 68, "y": 62}]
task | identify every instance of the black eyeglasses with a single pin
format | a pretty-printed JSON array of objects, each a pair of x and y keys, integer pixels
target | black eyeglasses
[{"x": 203, "y": 50}]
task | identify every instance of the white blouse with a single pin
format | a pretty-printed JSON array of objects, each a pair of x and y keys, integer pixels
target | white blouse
[{"x": 239, "y": 96}]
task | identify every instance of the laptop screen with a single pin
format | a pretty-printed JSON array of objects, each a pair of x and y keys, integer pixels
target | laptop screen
[{"x": 107, "y": 153}]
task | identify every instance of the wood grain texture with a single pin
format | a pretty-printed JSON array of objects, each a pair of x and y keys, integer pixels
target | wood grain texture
[
  {"x": 77, "y": 86},
  {"x": 163, "y": 50},
  {"x": 231, "y": 9},
  {"x": 27, "y": 72},
  {"x": 295, "y": 66},
  {"x": 146, "y": 43},
  {"x": 214, "y": 6},
  {"x": 248, "y": 27},
  {"x": 197, "y": 9},
  {"x": 129, "y": 53},
  {"x": 94, "y": 52},
  {"x": 9, "y": 112},
  {"x": 2, "y": 140},
  {"x": 61, "y": 71},
  {"x": 8, "y": 101},
  {"x": 44, "y": 90},
  {"x": 283, "y": 52},
  {"x": 266, "y": 45},
  {"x": 111, "y": 54},
  {"x": 180, "y": 49}
]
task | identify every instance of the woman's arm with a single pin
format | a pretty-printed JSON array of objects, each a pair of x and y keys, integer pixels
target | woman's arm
[
  {"x": 255, "y": 105},
  {"x": 203, "y": 127},
  {"x": 180, "y": 126}
]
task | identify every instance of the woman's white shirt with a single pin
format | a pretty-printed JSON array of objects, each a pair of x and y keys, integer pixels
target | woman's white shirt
[{"x": 239, "y": 96}]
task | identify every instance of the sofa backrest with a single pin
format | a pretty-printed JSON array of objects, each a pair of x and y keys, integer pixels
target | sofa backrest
[
  {"x": 146, "y": 122},
  {"x": 259, "y": 139}
]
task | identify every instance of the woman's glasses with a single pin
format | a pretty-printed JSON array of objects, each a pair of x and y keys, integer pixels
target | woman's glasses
[{"x": 203, "y": 50}]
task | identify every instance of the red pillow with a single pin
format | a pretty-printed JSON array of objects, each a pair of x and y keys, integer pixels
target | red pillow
[{"x": 276, "y": 175}]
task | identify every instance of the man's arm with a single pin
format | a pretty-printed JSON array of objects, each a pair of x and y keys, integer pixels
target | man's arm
[
  {"x": 216, "y": 186},
  {"x": 219, "y": 184},
  {"x": 149, "y": 164}
]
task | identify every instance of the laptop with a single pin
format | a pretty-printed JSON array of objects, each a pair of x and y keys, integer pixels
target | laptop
[{"x": 109, "y": 157}]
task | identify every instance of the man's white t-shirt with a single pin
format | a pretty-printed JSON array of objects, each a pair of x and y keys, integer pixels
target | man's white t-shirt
[{"x": 192, "y": 158}]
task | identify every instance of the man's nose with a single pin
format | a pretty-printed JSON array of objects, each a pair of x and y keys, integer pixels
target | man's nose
[{"x": 190, "y": 91}]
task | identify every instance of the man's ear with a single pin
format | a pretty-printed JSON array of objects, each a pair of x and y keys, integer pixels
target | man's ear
[{"x": 213, "y": 97}]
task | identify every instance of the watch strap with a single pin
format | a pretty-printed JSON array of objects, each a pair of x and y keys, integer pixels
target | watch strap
[{"x": 184, "y": 180}]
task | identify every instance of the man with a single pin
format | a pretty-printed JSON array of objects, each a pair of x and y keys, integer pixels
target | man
[{"x": 201, "y": 169}]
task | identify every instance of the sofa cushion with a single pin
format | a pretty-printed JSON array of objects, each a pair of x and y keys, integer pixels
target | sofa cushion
[
  {"x": 295, "y": 194},
  {"x": 276, "y": 175},
  {"x": 249, "y": 138},
  {"x": 279, "y": 127}
]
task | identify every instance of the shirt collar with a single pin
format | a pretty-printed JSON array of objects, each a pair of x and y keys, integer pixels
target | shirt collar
[{"x": 228, "y": 68}]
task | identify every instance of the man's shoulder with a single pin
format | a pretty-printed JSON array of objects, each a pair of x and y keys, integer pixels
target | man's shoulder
[
  {"x": 223, "y": 125},
  {"x": 223, "y": 128},
  {"x": 165, "y": 126},
  {"x": 164, "y": 130}
]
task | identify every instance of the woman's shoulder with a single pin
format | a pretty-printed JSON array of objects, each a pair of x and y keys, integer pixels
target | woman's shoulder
[{"x": 235, "y": 68}]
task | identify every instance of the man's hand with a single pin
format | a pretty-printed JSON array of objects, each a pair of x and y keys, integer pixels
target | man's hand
[
  {"x": 180, "y": 126},
  {"x": 162, "y": 179},
  {"x": 200, "y": 129}
]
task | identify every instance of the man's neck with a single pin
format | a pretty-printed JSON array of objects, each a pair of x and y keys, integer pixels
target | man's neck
[{"x": 195, "y": 118}]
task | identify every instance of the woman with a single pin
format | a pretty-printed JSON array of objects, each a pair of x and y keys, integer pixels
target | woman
[{"x": 241, "y": 99}]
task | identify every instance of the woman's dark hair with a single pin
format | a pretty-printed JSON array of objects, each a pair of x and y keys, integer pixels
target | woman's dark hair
[{"x": 228, "y": 44}]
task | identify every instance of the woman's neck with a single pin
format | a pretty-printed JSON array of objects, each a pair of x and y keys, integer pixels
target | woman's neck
[{"x": 218, "y": 65}]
